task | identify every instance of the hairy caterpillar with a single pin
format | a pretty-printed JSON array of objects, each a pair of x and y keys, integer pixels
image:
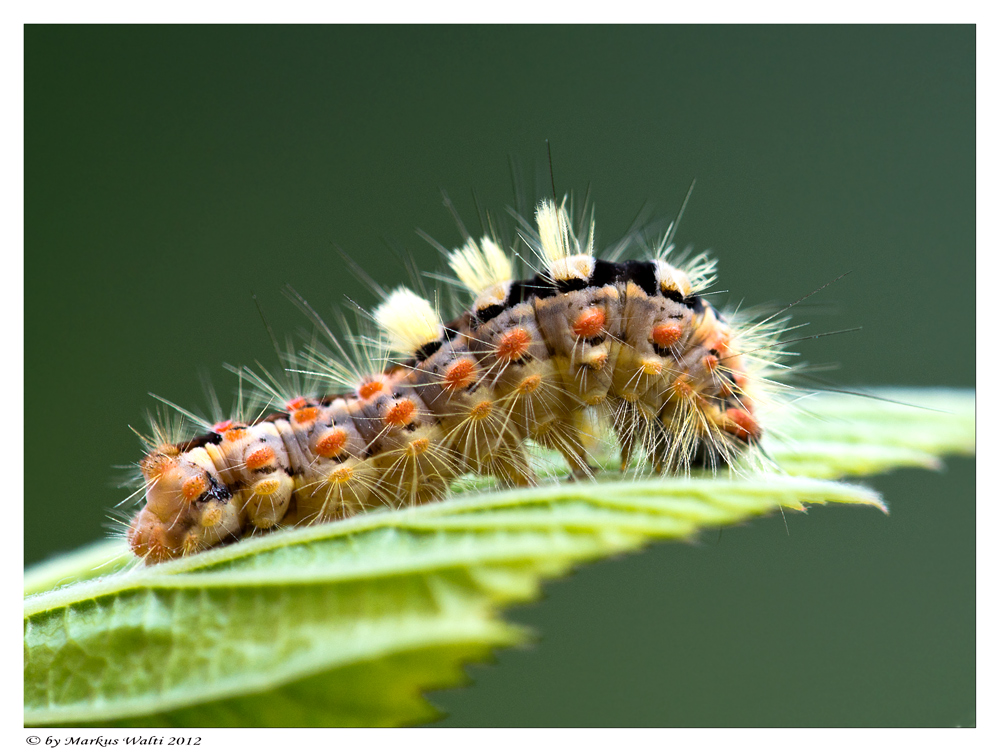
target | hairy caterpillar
[{"x": 584, "y": 342}]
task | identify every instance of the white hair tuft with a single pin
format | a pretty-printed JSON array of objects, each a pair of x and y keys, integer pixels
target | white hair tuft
[
  {"x": 481, "y": 266},
  {"x": 561, "y": 250},
  {"x": 409, "y": 321}
]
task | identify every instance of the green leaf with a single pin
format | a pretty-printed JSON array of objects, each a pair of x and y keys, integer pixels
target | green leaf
[
  {"x": 348, "y": 623},
  {"x": 834, "y": 435}
]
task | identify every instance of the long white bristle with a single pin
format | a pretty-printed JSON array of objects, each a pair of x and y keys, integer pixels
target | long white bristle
[
  {"x": 408, "y": 320},
  {"x": 480, "y": 266}
]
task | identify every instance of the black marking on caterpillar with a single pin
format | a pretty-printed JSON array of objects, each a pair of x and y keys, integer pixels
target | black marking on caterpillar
[{"x": 632, "y": 343}]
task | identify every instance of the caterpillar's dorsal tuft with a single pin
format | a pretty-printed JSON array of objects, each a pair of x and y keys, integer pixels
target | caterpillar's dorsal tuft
[
  {"x": 564, "y": 259},
  {"x": 484, "y": 269},
  {"x": 409, "y": 321}
]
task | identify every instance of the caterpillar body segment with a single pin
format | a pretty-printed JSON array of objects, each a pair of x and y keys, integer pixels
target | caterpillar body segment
[
  {"x": 455, "y": 385},
  {"x": 632, "y": 343}
]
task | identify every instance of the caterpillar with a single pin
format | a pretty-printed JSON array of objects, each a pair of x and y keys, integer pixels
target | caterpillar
[{"x": 551, "y": 359}]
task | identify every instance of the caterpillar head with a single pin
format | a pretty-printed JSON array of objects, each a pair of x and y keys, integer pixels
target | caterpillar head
[{"x": 187, "y": 508}]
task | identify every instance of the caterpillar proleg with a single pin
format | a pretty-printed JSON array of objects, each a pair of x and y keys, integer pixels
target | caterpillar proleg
[{"x": 576, "y": 344}]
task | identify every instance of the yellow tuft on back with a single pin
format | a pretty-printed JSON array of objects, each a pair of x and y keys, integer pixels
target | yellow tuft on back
[
  {"x": 480, "y": 267},
  {"x": 560, "y": 247},
  {"x": 409, "y": 321}
]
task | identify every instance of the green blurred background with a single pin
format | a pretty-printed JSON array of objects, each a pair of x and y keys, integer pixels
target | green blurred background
[{"x": 171, "y": 172}]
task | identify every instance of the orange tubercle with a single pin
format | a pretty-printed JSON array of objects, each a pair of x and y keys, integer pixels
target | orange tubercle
[
  {"x": 305, "y": 415},
  {"x": 194, "y": 487},
  {"x": 589, "y": 323},
  {"x": 260, "y": 458},
  {"x": 400, "y": 413},
  {"x": 331, "y": 443},
  {"x": 235, "y": 434},
  {"x": 665, "y": 335},
  {"x": 369, "y": 388},
  {"x": 514, "y": 344},
  {"x": 459, "y": 374},
  {"x": 222, "y": 426},
  {"x": 296, "y": 404}
]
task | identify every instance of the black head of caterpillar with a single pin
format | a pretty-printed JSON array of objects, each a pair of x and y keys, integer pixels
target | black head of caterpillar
[{"x": 533, "y": 359}]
